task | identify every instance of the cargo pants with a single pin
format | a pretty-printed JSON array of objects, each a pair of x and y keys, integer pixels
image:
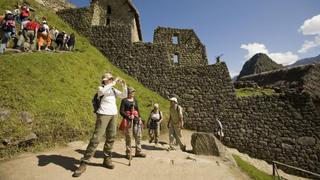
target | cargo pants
[{"x": 105, "y": 125}]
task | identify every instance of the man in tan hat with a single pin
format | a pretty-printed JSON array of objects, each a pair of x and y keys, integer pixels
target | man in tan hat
[
  {"x": 106, "y": 121},
  {"x": 175, "y": 124}
]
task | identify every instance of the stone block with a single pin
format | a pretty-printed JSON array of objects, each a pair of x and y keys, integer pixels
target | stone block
[{"x": 206, "y": 144}]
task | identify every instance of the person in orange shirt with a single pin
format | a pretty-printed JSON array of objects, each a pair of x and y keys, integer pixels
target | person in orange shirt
[{"x": 44, "y": 36}]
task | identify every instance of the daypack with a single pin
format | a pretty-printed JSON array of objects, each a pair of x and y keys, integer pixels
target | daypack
[
  {"x": 41, "y": 29},
  {"x": 9, "y": 25},
  {"x": 96, "y": 101}
]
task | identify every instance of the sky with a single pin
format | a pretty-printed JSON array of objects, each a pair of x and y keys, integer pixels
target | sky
[{"x": 286, "y": 30}]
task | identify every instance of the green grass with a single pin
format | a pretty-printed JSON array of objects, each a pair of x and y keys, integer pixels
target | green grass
[
  {"x": 252, "y": 171},
  {"x": 243, "y": 92},
  {"x": 57, "y": 88}
]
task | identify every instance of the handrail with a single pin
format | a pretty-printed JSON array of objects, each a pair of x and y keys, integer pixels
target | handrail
[{"x": 275, "y": 169}]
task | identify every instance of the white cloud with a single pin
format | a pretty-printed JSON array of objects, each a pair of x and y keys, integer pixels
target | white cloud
[
  {"x": 254, "y": 48},
  {"x": 280, "y": 58},
  {"x": 310, "y": 27},
  {"x": 284, "y": 58},
  {"x": 310, "y": 44}
]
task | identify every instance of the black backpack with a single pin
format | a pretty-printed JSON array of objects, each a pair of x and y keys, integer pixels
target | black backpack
[{"x": 96, "y": 101}]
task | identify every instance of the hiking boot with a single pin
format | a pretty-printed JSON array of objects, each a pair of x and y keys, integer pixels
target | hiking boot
[
  {"x": 128, "y": 156},
  {"x": 140, "y": 154},
  {"x": 107, "y": 162},
  {"x": 81, "y": 169},
  {"x": 183, "y": 148}
]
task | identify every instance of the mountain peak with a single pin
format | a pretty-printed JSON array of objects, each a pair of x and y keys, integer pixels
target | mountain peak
[{"x": 258, "y": 63}]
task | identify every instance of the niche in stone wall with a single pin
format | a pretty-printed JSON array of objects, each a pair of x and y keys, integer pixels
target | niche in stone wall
[
  {"x": 175, "y": 39},
  {"x": 108, "y": 9},
  {"x": 175, "y": 59}
]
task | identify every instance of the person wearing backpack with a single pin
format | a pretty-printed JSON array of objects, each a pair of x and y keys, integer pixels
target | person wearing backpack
[
  {"x": 43, "y": 35},
  {"x": 105, "y": 123},
  {"x": 153, "y": 123},
  {"x": 8, "y": 27},
  {"x": 175, "y": 124}
]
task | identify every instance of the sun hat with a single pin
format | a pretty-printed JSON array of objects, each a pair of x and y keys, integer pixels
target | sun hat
[
  {"x": 107, "y": 76},
  {"x": 174, "y": 99},
  {"x": 156, "y": 105},
  {"x": 131, "y": 90},
  {"x": 7, "y": 12}
]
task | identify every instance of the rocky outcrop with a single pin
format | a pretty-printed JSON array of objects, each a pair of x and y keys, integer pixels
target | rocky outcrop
[
  {"x": 56, "y": 5},
  {"x": 257, "y": 64},
  {"x": 205, "y": 144}
]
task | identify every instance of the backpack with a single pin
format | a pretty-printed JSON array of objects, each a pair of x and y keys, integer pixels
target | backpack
[
  {"x": 9, "y": 25},
  {"x": 96, "y": 101},
  {"x": 41, "y": 29}
]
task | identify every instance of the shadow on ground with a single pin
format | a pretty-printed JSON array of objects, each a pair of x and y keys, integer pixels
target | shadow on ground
[{"x": 68, "y": 163}]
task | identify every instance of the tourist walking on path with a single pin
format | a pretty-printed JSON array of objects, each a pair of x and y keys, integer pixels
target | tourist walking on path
[
  {"x": 8, "y": 28},
  {"x": 153, "y": 124},
  {"x": 43, "y": 35},
  {"x": 129, "y": 110},
  {"x": 106, "y": 121},
  {"x": 175, "y": 124}
]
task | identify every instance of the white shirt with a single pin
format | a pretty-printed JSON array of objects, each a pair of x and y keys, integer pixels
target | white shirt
[{"x": 108, "y": 104}]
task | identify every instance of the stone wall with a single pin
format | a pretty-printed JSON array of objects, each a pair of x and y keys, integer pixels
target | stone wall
[
  {"x": 188, "y": 47},
  {"x": 307, "y": 75},
  {"x": 285, "y": 128}
]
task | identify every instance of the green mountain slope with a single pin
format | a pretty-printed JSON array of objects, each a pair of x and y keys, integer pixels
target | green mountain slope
[{"x": 56, "y": 89}]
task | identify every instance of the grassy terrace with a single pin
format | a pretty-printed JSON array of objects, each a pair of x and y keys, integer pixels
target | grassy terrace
[
  {"x": 243, "y": 92},
  {"x": 56, "y": 88}
]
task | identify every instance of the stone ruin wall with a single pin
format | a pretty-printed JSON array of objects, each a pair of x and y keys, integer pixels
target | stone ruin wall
[
  {"x": 283, "y": 128},
  {"x": 308, "y": 75}
]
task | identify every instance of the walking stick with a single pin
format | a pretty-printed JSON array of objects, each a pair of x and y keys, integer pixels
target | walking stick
[{"x": 132, "y": 129}]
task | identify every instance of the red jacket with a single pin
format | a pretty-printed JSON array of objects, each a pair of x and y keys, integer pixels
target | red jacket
[{"x": 32, "y": 25}]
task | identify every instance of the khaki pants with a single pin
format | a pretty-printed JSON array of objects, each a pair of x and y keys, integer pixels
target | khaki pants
[
  {"x": 154, "y": 134},
  {"x": 105, "y": 125},
  {"x": 175, "y": 133},
  {"x": 137, "y": 137}
]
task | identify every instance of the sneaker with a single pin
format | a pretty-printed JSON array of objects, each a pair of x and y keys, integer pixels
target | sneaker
[
  {"x": 140, "y": 154},
  {"x": 171, "y": 148},
  {"x": 107, "y": 162},
  {"x": 81, "y": 169},
  {"x": 47, "y": 49}
]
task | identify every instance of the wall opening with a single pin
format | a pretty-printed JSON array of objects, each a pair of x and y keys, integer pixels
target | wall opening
[
  {"x": 175, "y": 59},
  {"x": 108, "y": 21},
  {"x": 109, "y": 9},
  {"x": 175, "y": 39}
]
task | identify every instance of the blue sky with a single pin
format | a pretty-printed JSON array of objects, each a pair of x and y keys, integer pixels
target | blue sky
[{"x": 286, "y": 30}]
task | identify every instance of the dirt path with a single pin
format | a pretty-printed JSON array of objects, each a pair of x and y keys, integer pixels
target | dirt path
[{"x": 59, "y": 164}]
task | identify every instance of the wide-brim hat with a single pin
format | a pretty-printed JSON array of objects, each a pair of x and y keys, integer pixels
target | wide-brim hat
[
  {"x": 7, "y": 12},
  {"x": 156, "y": 105},
  {"x": 131, "y": 90},
  {"x": 107, "y": 76},
  {"x": 174, "y": 99}
]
